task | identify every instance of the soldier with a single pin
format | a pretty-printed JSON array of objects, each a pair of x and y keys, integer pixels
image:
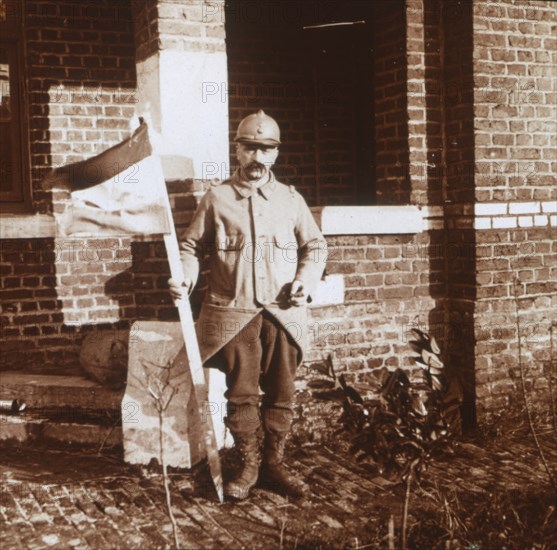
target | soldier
[{"x": 265, "y": 258}]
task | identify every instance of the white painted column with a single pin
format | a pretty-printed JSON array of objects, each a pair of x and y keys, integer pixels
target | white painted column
[{"x": 174, "y": 91}]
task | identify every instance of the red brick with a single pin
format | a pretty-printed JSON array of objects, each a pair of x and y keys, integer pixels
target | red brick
[{"x": 394, "y": 293}]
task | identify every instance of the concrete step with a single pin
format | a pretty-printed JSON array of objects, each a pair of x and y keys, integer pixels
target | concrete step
[
  {"x": 68, "y": 410},
  {"x": 44, "y": 390},
  {"x": 25, "y": 430}
]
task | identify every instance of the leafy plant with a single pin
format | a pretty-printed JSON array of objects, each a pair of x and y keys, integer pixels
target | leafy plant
[
  {"x": 404, "y": 419},
  {"x": 412, "y": 417}
]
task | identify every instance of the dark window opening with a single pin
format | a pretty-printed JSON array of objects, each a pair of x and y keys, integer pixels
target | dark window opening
[
  {"x": 14, "y": 183},
  {"x": 310, "y": 65}
]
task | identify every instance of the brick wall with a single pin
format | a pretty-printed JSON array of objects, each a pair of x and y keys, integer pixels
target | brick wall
[
  {"x": 388, "y": 282},
  {"x": 145, "y": 26},
  {"x": 81, "y": 82},
  {"x": 390, "y": 104},
  {"x": 191, "y": 25},
  {"x": 387, "y": 291},
  {"x": 462, "y": 105},
  {"x": 81, "y": 85},
  {"x": 51, "y": 289},
  {"x": 450, "y": 137},
  {"x": 82, "y": 99},
  {"x": 80, "y": 58},
  {"x": 486, "y": 80},
  {"x": 515, "y": 109}
]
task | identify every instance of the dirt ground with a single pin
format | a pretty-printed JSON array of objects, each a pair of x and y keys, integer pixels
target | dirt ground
[{"x": 492, "y": 493}]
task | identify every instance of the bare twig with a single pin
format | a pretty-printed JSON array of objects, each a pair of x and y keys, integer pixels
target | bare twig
[
  {"x": 408, "y": 485},
  {"x": 524, "y": 392},
  {"x": 552, "y": 362},
  {"x": 105, "y": 438},
  {"x": 283, "y": 525},
  {"x": 166, "y": 482},
  {"x": 162, "y": 400},
  {"x": 391, "y": 533}
]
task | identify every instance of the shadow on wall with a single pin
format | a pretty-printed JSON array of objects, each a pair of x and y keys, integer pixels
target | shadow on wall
[
  {"x": 80, "y": 60},
  {"x": 452, "y": 250}
]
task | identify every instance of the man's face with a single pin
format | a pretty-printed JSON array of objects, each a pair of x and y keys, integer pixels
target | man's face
[{"x": 255, "y": 159}]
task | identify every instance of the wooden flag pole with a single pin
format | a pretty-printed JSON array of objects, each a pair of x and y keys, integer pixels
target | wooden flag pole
[{"x": 194, "y": 357}]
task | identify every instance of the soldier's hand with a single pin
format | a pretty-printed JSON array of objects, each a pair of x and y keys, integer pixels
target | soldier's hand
[
  {"x": 298, "y": 296},
  {"x": 180, "y": 291}
]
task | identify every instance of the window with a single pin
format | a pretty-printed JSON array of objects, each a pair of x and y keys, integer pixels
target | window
[
  {"x": 309, "y": 65},
  {"x": 341, "y": 66},
  {"x": 14, "y": 184}
]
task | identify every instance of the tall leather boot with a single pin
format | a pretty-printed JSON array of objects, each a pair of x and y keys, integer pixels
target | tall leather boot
[
  {"x": 240, "y": 486},
  {"x": 273, "y": 475}
]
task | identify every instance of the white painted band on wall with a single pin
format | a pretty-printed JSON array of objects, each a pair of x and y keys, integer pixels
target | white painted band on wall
[
  {"x": 352, "y": 220},
  {"x": 27, "y": 226},
  {"x": 514, "y": 207},
  {"x": 516, "y": 214},
  {"x": 369, "y": 220}
]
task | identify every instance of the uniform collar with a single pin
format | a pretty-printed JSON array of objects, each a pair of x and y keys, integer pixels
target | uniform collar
[{"x": 246, "y": 189}]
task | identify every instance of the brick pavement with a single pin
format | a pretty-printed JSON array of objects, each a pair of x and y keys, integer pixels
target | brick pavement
[{"x": 57, "y": 499}]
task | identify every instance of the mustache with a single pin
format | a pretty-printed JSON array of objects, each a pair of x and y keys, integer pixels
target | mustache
[{"x": 255, "y": 165}]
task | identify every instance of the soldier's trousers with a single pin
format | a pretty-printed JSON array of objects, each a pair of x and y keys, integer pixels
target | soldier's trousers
[{"x": 262, "y": 355}]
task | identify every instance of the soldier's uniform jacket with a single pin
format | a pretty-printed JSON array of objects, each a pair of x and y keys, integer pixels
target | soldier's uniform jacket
[{"x": 258, "y": 240}]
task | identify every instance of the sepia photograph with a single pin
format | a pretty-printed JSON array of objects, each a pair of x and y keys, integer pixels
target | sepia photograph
[{"x": 278, "y": 274}]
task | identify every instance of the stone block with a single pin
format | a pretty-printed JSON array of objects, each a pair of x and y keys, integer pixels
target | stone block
[{"x": 159, "y": 404}]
